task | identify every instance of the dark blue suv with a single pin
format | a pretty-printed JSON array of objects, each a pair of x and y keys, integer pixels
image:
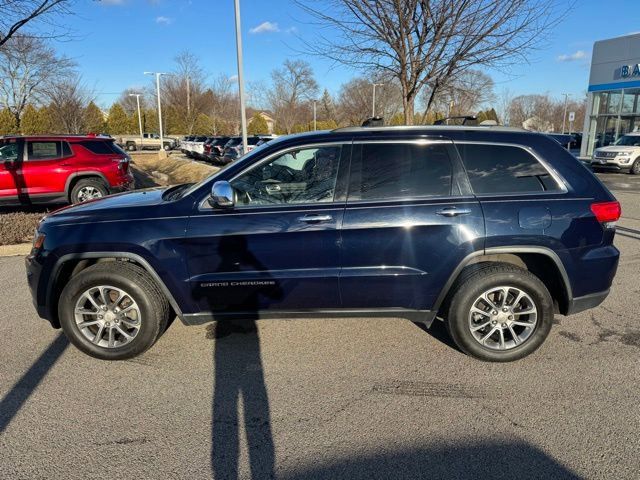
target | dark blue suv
[{"x": 492, "y": 230}]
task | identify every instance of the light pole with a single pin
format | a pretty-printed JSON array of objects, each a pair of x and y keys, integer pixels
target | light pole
[
  {"x": 373, "y": 109},
  {"x": 137, "y": 95},
  {"x": 243, "y": 112},
  {"x": 564, "y": 116},
  {"x": 158, "y": 75},
  {"x": 314, "y": 115}
]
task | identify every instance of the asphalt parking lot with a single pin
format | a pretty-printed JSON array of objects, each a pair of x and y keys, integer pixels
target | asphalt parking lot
[{"x": 357, "y": 398}]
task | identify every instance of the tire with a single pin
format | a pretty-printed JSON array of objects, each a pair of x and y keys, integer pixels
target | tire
[
  {"x": 166, "y": 147},
  {"x": 635, "y": 168},
  {"x": 88, "y": 189},
  {"x": 151, "y": 310},
  {"x": 499, "y": 346},
  {"x": 131, "y": 147}
]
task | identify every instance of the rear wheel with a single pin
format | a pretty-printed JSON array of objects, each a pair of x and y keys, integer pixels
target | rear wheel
[
  {"x": 500, "y": 313},
  {"x": 88, "y": 189},
  {"x": 113, "y": 310}
]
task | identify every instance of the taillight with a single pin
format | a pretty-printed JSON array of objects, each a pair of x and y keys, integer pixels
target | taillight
[
  {"x": 123, "y": 164},
  {"x": 607, "y": 212}
]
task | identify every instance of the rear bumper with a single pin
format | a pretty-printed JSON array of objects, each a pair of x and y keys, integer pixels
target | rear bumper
[
  {"x": 580, "y": 304},
  {"x": 127, "y": 185}
]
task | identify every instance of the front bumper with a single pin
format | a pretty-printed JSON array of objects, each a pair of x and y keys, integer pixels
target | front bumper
[{"x": 610, "y": 164}]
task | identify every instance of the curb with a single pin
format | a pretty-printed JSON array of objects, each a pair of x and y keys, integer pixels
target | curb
[{"x": 19, "y": 250}]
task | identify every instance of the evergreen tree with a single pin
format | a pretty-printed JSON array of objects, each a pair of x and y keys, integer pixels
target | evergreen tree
[
  {"x": 118, "y": 122},
  {"x": 150, "y": 121},
  {"x": 258, "y": 125},
  {"x": 93, "y": 119},
  {"x": 203, "y": 125},
  {"x": 8, "y": 124}
]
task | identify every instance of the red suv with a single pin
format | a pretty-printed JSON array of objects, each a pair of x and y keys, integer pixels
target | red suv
[{"x": 61, "y": 168}]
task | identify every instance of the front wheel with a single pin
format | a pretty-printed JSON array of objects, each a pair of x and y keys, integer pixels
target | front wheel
[
  {"x": 635, "y": 168},
  {"x": 500, "y": 313},
  {"x": 113, "y": 310}
]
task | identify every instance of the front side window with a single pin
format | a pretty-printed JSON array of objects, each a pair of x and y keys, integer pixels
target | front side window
[
  {"x": 396, "y": 171},
  {"x": 629, "y": 141},
  {"x": 307, "y": 175},
  {"x": 496, "y": 169},
  {"x": 44, "y": 150}
]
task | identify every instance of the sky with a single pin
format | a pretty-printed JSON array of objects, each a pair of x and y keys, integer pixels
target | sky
[{"x": 115, "y": 41}]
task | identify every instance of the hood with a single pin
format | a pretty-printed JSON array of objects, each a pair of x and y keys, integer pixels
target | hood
[
  {"x": 109, "y": 207},
  {"x": 617, "y": 148}
]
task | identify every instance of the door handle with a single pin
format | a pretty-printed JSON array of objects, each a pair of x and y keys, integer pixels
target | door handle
[
  {"x": 453, "y": 211},
  {"x": 315, "y": 218}
]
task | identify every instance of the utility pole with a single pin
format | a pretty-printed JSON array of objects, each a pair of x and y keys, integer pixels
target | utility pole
[
  {"x": 243, "y": 111},
  {"x": 137, "y": 95},
  {"x": 564, "y": 116},
  {"x": 158, "y": 75},
  {"x": 373, "y": 109},
  {"x": 188, "y": 97}
]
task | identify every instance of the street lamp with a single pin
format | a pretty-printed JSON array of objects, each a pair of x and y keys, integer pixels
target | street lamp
[
  {"x": 243, "y": 112},
  {"x": 373, "y": 112},
  {"x": 564, "y": 116},
  {"x": 137, "y": 95},
  {"x": 158, "y": 75},
  {"x": 314, "y": 114}
]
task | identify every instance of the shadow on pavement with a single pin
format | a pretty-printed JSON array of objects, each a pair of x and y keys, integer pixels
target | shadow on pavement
[
  {"x": 473, "y": 461},
  {"x": 12, "y": 402}
]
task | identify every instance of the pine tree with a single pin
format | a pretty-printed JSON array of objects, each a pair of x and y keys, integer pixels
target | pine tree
[
  {"x": 8, "y": 124},
  {"x": 203, "y": 125},
  {"x": 258, "y": 125},
  {"x": 93, "y": 119},
  {"x": 117, "y": 121}
]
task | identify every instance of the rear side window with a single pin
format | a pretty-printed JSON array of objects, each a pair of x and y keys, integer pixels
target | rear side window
[
  {"x": 66, "y": 150},
  {"x": 101, "y": 147},
  {"x": 401, "y": 170},
  {"x": 505, "y": 169},
  {"x": 44, "y": 150}
]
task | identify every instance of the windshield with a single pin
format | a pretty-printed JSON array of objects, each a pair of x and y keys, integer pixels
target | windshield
[{"x": 629, "y": 141}]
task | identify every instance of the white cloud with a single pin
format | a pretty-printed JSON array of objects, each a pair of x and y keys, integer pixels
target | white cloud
[
  {"x": 164, "y": 20},
  {"x": 291, "y": 30},
  {"x": 572, "y": 57},
  {"x": 265, "y": 27},
  {"x": 112, "y": 2},
  {"x": 233, "y": 78}
]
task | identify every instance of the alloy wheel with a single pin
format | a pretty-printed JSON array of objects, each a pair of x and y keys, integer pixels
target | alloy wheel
[
  {"x": 107, "y": 316},
  {"x": 503, "y": 318},
  {"x": 88, "y": 193}
]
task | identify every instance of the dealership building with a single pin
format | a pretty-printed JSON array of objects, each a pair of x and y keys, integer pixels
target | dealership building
[{"x": 613, "y": 103}]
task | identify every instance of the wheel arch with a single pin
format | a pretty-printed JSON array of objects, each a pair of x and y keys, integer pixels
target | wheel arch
[
  {"x": 77, "y": 176},
  {"x": 71, "y": 264},
  {"x": 541, "y": 261}
]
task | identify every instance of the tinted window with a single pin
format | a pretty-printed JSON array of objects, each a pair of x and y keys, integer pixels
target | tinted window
[
  {"x": 97, "y": 146},
  {"x": 504, "y": 169},
  {"x": 9, "y": 152},
  {"x": 66, "y": 150},
  {"x": 401, "y": 170},
  {"x": 44, "y": 150},
  {"x": 307, "y": 175}
]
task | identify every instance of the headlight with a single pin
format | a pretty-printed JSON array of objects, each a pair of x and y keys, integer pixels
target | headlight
[{"x": 624, "y": 154}]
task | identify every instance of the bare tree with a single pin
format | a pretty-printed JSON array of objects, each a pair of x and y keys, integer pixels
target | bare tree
[
  {"x": 130, "y": 104},
  {"x": 293, "y": 85},
  {"x": 422, "y": 43},
  {"x": 225, "y": 107},
  {"x": 503, "y": 103},
  {"x": 16, "y": 14},
  {"x": 463, "y": 94},
  {"x": 533, "y": 112},
  {"x": 68, "y": 100},
  {"x": 27, "y": 67},
  {"x": 355, "y": 100}
]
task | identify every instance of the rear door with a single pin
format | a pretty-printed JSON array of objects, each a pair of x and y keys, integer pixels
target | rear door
[
  {"x": 46, "y": 167},
  {"x": 409, "y": 220}
]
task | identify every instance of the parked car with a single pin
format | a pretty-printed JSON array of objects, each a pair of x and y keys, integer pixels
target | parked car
[
  {"x": 623, "y": 155},
  {"x": 196, "y": 147},
  {"x": 491, "y": 229},
  {"x": 149, "y": 141},
  {"x": 185, "y": 144},
  {"x": 214, "y": 151},
  {"x": 234, "y": 148},
  {"x": 61, "y": 169}
]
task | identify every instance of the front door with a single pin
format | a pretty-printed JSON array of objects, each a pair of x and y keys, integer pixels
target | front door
[
  {"x": 10, "y": 160},
  {"x": 409, "y": 221},
  {"x": 278, "y": 247}
]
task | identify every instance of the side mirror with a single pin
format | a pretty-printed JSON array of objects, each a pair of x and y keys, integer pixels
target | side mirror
[{"x": 222, "y": 195}]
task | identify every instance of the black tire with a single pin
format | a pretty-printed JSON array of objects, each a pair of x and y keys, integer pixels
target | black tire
[
  {"x": 635, "y": 168},
  {"x": 131, "y": 146},
  {"x": 90, "y": 183},
  {"x": 131, "y": 278},
  {"x": 474, "y": 282}
]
